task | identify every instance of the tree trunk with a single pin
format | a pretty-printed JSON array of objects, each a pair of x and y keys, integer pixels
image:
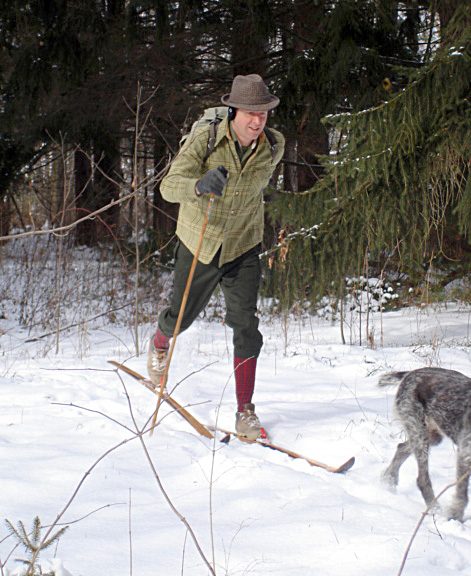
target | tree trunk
[
  {"x": 106, "y": 188},
  {"x": 249, "y": 43},
  {"x": 165, "y": 214},
  {"x": 5, "y": 215},
  {"x": 446, "y": 10},
  {"x": 85, "y": 232},
  {"x": 312, "y": 137}
]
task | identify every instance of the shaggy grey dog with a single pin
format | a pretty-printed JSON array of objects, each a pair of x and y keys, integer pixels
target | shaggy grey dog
[{"x": 431, "y": 403}]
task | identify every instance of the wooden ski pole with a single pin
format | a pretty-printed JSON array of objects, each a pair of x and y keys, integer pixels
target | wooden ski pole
[{"x": 163, "y": 380}]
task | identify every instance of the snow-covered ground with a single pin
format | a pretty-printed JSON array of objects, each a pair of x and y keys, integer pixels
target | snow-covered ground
[{"x": 68, "y": 446}]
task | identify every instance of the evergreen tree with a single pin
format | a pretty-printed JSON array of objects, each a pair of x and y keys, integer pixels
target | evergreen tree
[
  {"x": 343, "y": 63},
  {"x": 48, "y": 52},
  {"x": 398, "y": 187}
]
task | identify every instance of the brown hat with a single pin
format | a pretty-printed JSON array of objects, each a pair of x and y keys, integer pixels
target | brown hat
[{"x": 250, "y": 93}]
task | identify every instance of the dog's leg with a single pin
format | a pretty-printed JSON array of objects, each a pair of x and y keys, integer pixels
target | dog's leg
[
  {"x": 391, "y": 475},
  {"x": 463, "y": 468},
  {"x": 423, "y": 479},
  {"x": 460, "y": 499},
  {"x": 410, "y": 407}
]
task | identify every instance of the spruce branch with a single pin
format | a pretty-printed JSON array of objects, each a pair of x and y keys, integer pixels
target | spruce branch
[{"x": 31, "y": 541}]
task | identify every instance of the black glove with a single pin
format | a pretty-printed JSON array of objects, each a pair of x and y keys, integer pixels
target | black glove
[{"x": 213, "y": 182}]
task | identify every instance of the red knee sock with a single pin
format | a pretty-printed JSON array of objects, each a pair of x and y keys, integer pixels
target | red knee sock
[
  {"x": 244, "y": 370},
  {"x": 161, "y": 342}
]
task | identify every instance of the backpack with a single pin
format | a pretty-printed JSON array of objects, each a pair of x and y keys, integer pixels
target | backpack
[{"x": 212, "y": 117}]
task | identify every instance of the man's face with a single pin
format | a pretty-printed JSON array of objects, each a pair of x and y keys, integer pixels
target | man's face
[{"x": 249, "y": 124}]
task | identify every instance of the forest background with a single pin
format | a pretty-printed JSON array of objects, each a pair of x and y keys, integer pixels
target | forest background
[{"x": 95, "y": 96}]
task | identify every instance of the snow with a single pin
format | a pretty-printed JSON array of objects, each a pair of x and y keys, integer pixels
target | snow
[{"x": 68, "y": 447}]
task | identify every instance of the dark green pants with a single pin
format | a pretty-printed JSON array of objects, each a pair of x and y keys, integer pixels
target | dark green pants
[{"x": 239, "y": 280}]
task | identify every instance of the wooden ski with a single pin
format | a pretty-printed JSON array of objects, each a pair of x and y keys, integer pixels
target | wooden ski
[
  {"x": 228, "y": 434},
  {"x": 200, "y": 428}
]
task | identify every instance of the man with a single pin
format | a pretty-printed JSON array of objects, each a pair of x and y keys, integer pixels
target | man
[{"x": 235, "y": 174}]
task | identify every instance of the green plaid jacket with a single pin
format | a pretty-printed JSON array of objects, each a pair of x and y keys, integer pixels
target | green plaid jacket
[{"x": 237, "y": 218}]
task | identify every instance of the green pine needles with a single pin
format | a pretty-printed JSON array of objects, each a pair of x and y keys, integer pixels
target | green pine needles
[
  {"x": 33, "y": 544},
  {"x": 396, "y": 195}
]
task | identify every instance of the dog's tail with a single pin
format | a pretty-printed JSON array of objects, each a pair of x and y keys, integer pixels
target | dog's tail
[{"x": 391, "y": 378}]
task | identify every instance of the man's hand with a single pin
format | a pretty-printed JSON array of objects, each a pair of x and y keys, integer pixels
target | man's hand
[{"x": 213, "y": 182}]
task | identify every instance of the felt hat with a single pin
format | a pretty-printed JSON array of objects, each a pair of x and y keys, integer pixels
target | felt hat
[{"x": 250, "y": 93}]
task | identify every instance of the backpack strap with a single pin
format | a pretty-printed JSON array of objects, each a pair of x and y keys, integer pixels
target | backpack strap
[
  {"x": 272, "y": 141},
  {"x": 213, "y": 128}
]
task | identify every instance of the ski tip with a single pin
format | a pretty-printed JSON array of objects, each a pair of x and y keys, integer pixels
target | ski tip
[{"x": 345, "y": 467}]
